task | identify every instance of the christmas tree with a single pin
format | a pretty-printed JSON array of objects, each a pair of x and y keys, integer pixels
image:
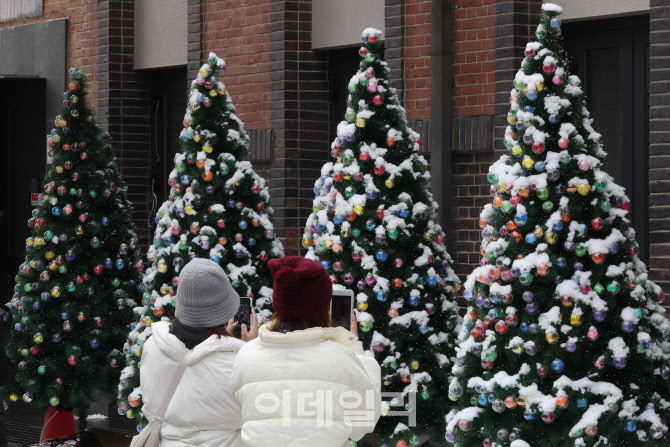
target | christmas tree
[
  {"x": 75, "y": 292},
  {"x": 218, "y": 209},
  {"x": 565, "y": 342},
  {"x": 373, "y": 230}
]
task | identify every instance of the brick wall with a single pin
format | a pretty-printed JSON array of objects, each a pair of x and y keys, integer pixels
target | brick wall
[
  {"x": 473, "y": 95},
  {"x": 239, "y": 32},
  {"x": 394, "y": 42},
  {"x": 487, "y": 43},
  {"x": 516, "y": 21},
  {"x": 417, "y": 59},
  {"x": 474, "y": 57},
  {"x": 473, "y": 99},
  {"x": 659, "y": 143},
  {"x": 82, "y": 39},
  {"x": 124, "y": 105},
  {"x": 300, "y": 118},
  {"x": 469, "y": 192}
]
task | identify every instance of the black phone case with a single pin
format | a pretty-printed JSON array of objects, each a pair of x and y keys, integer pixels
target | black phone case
[{"x": 243, "y": 316}]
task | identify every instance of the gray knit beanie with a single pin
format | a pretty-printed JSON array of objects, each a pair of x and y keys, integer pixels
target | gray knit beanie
[{"x": 205, "y": 297}]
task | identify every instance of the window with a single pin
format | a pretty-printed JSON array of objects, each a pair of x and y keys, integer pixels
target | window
[{"x": 610, "y": 56}]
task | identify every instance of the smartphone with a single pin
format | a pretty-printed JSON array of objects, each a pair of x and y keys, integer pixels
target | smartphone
[
  {"x": 341, "y": 308},
  {"x": 243, "y": 315}
]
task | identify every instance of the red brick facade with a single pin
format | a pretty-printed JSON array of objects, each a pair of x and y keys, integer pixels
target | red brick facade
[
  {"x": 473, "y": 94},
  {"x": 474, "y": 57},
  {"x": 239, "y": 32},
  {"x": 417, "y": 59}
]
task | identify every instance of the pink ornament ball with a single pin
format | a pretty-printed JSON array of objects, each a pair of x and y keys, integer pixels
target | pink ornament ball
[
  {"x": 584, "y": 165},
  {"x": 563, "y": 143},
  {"x": 592, "y": 334},
  {"x": 557, "y": 80}
]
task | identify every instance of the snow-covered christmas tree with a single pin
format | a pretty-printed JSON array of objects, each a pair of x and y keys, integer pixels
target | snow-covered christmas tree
[
  {"x": 373, "y": 230},
  {"x": 73, "y": 301},
  {"x": 565, "y": 342},
  {"x": 218, "y": 209}
]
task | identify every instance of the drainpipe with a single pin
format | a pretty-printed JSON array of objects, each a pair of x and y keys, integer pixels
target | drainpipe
[{"x": 440, "y": 127}]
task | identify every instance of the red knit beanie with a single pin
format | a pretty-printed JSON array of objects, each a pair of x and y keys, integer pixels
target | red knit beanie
[{"x": 302, "y": 287}]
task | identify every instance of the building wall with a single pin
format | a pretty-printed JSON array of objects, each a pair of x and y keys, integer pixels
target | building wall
[
  {"x": 300, "y": 118},
  {"x": 338, "y": 24},
  {"x": 417, "y": 59},
  {"x": 473, "y": 24},
  {"x": 82, "y": 18},
  {"x": 473, "y": 95},
  {"x": 474, "y": 57},
  {"x": 470, "y": 192},
  {"x": 239, "y": 32},
  {"x": 659, "y": 143},
  {"x": 579, "y": 9},
  {"x": 160, "y": 33}
]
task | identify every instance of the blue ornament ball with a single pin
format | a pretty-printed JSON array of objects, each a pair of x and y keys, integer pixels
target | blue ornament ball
[{"x": 558, "y": 365}]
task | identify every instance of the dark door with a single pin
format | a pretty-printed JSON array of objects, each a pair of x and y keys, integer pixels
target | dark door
[
  {"x": 168, "y": 105},
  {"x": 610, "y": 57},
  {"x": 343, "y": 63},
  {"x": 22, "y": 163}
]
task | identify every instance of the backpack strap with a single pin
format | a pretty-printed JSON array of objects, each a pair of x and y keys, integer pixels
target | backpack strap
[{"x": 172, "y": 388}]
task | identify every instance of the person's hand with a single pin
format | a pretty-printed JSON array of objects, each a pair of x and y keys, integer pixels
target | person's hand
[
  {"x": 230, "y": 328},
  {"x": 353, "y": 328},
  {"x": 252, "y": 332}
]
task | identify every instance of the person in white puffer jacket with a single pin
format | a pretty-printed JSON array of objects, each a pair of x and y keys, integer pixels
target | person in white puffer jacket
[
  {"x": 203, "y": 411},
  {"x": 302, "y": 383}
]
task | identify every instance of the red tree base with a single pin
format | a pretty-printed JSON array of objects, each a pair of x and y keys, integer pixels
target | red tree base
[{"x": 62, "y": 424}]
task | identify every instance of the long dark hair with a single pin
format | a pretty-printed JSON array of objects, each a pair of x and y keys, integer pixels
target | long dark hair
[
  {"x": 218, "y": 331},
  {"x": 281, "y": 324}
]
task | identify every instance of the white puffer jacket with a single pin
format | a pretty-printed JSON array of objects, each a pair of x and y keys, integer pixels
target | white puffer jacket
[
  {"x": 203, "y": 411},
  {"x": 298, "y": 389}
]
